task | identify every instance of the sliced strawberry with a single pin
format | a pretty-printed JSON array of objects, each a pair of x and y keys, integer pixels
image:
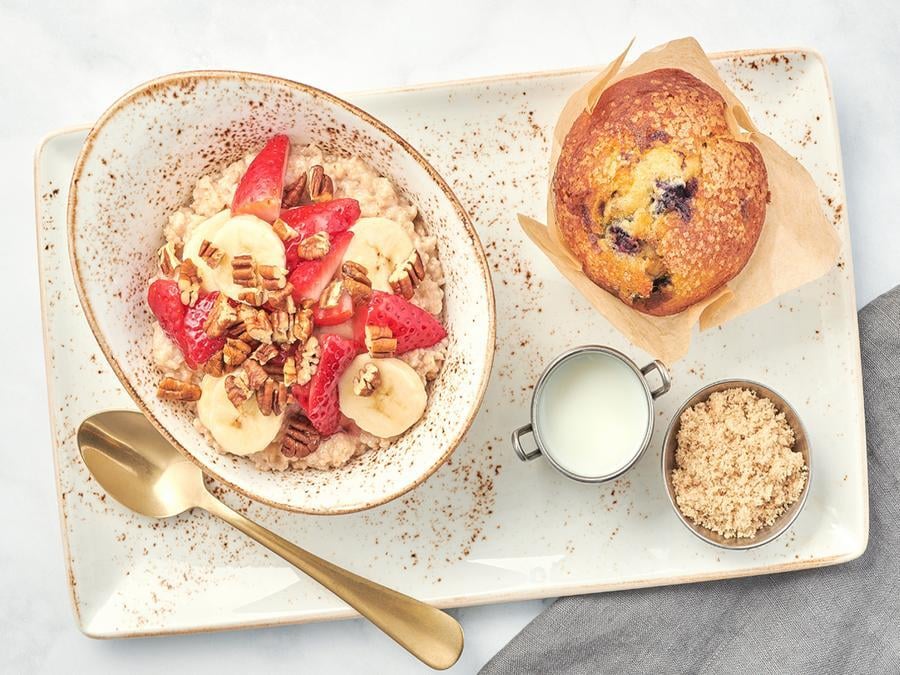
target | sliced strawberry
[
  {"x": 310, "y": 277},
  {"x": 260, "y": 190},
  {"x": 359, "y": 326},
  {"x": 412, "y": 326},
  {"x": 184, "y": 325},
  {"x": 333, "y": 216},
  {"x": 195, "y": 344},
  {"x": 339, "y": 313},
  {"x": 323, "y": 409},
  {"x": 301, "y": 395},
  {"x": 164, "y": 299},
  {"x": 345, "y": 330}
]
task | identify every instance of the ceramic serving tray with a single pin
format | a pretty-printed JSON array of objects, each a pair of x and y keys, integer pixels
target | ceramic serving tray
[{"x": 485, "y": 527}]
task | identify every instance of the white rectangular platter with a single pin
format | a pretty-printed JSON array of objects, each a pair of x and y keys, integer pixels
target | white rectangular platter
[{"x": 485, "y": 528}]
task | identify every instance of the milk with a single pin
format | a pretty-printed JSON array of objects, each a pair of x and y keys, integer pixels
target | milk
[{"x": 592, "y": 414}]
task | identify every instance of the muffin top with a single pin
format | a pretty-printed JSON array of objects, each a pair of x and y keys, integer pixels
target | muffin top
[{"x": 655, "y": 197}]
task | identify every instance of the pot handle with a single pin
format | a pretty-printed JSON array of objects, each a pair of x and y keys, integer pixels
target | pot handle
[
  {"x": 523, "y": 454},
  {"x": 660, "y": 368}
]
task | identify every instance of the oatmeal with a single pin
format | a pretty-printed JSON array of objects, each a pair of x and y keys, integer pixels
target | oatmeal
[{"x": 289, "y": 276}]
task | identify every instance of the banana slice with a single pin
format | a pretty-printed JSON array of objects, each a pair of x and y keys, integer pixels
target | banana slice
[
  {"x": 380, "y": 245},
  {"x": 397, "y": 402},
  {"x": 238, "y": 235},
  {"x": 240, "y": 432}
]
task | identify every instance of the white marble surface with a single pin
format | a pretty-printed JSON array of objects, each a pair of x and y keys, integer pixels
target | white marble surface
[{"x": 62, "y": 63}]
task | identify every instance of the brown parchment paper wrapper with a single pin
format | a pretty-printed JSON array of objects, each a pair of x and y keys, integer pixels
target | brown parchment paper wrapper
[{"x": 797, "y": 243}]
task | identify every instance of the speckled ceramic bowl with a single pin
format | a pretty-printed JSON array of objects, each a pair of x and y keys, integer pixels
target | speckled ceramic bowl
[{"x": 140, "y": 162}]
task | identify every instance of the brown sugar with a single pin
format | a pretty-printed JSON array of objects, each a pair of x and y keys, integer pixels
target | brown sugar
[{"x": 734, "y": 470}]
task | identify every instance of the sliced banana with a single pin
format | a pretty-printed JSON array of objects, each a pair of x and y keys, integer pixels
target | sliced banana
[
  {"x": 397, "y": 402},
  {"x": 238, "y": 235},
  {"x": 240, "y": 432},
  {"x": 380, "y": 245}
]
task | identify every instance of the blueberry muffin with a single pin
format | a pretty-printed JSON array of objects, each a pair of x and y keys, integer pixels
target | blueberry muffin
[{"x": 654, "y": 196}]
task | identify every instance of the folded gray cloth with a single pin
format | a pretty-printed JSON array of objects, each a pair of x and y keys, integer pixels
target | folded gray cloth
[{"x": 842, "y": 619}]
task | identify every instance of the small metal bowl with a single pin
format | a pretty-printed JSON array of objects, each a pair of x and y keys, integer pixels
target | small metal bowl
[{"x": 801, "y": 444}]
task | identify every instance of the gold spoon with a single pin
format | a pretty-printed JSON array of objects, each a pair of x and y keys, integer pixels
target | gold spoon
[{"x": 141, "y": 470}]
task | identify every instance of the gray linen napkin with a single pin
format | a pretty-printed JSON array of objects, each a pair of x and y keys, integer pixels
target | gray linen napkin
[{"x": 843, "y": 619}]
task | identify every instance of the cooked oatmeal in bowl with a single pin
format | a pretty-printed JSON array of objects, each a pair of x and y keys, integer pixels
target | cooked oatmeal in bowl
[
  {"x": 184, "y": 206},
  {"x": 298, "y": 303}
]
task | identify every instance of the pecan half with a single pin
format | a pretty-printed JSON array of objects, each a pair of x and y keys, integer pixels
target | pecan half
[
  {"x": 272, "y": 397},
  {"x": 254, "y": 297},
  {"x": 237, "y": 389},
  {"x": 319, "y": 184},
  {"x": 168, "y": 259},
  {"x": 243, "y": 270},
  {"x": 357, "y": 282},
  {"x": 188, "y": 282},
  {"x": 295, "y": 192},
  {"x": 367, "y": 380},
  {"x": 172, "y": 389},
  {"x": 235, "y": 352},
  {"x": 407, "y": 276},
  {"x": 300, "y": 438},
  {"x": 210, "y": 253},
  {"x": 221, "y": 317},
  {"x": 380, "y": 342},
  {"x": 282, "y": 326},
  {"x": 314, "y": 246}
]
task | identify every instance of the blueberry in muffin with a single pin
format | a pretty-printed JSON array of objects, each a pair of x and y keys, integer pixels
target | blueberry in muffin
[{"x": 654, "y": 195}]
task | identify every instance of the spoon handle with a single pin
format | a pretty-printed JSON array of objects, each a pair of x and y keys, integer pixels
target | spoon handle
[{"x": 432, "y": 636}]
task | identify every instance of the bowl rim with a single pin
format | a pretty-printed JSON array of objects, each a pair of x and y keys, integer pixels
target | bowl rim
[
  {"x": 196, "y": 75},
  {"x": 703, "y": 394}
]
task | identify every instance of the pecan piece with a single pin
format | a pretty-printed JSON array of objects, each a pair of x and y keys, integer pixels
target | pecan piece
[
  {"x": 210, "y": 253},
  {"x": 272, "y": 277},
  {"x": 237, "y": 389},
  {"x": 367, "y": 380},
  {"x": 235, "y": 352},
  {"x": 189, "y": 282},
  {"x": 309, "y": 361},
  {"x": 282, "y": 326},
  {"x": 289, "y": 371},
  {"x": 243, "y": 270},
  {"x": 380, "y": 342},
  {"x": 215, "y": 365},
  {"x": 256, "y": 323},
  {"x": 407, "y": 276},
  {"x": 265, "y": 353},
  {"x": 283, "y": 230},
  {"x": 357, "y": 282},
  {"x": 282, "y": 298},
  {"x": 221, "y": 317},
  {"x": 272, "y": 397},
  {"x": 172, "y": 389},
  {"x": 300, "y": 438},
  {"x": 303, "y": 324},
  {"x": 254, "y": 297},
  {"x": 168, "y": 259},
  {"x": 256, "y": 375},
  {"x": 314, "y": 246}
]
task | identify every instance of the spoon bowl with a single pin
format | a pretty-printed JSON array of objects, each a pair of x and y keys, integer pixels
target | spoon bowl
[
  {"x": 141, "y": 470},
  {"x": 158, "y": 481}
]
